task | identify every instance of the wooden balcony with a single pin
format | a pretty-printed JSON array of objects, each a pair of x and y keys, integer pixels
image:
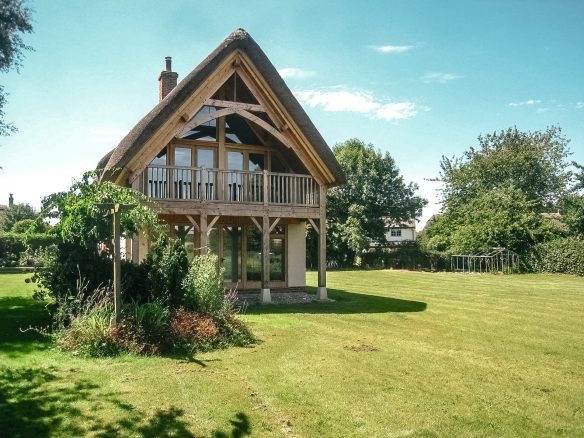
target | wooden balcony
[{"x": 236, "y": 188}]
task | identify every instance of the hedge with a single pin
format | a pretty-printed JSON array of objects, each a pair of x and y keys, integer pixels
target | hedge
[
  {"x": 14, "y": 245},
  {"x": 564, "y": 255}
]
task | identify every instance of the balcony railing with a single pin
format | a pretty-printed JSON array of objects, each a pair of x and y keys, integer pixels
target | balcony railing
[{"x": 239, "y": 186}]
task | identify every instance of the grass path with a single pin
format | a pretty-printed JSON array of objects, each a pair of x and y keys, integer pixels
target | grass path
[{"x": 397, "y": 354}]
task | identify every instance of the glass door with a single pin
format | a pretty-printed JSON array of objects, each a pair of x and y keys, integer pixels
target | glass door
[{"x": 232, "y": 254}]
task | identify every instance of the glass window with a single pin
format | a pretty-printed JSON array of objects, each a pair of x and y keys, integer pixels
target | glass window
[
  {"x": 277, "y": 165},
  {"x": 237, "y": 130},
  {"x": 183, "y": 157},
  {"x": 235, "y": 160},
  {"x": 235, "y": 90},
  {"x": 277, "y": 258},
  {"x": 255, "y": 162},
  {"x": 160, "y": 159},
  {"x": 396, "y": 233},
  {"x": 206, "y": 131},
  {"x": 254, "y": 254},
  {"x": 206, "y": 157}
]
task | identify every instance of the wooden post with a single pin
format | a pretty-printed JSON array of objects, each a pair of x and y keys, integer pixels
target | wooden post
[
  {"x": 266, "y": 189},
  {"x": 203, "y": 232},
  {"x": 265, "y": 296},
  {"x": 321, "y": 293},
  {"x": 116, "y": 213}
]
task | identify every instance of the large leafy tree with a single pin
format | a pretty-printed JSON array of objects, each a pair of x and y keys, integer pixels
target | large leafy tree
[
  {"x": 15, "y": 20},
  {"x": 494, "y": 194},
  {"x": 16, "y": 213},
  {"x": 374, "y": 192},
  {"x": 533, "y": 162}
]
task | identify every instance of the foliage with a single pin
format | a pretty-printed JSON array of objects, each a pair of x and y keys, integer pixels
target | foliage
[
  {"x": 499, "y": 218},
  {"x": 493, "y": 195},
  {"x": 192, "y": 331},
  {"x": 15, "y": 20},
  {"x": 203, "y": 285},
  {"x": 166, "y": 267},
  {"x": 534, "y": 163},
  {"x": 16, "y": 247},
  {"x": 357, "y": 210},
  {"x": 572, "y": 208},
  {"x": 563, "y": 255},
  {"x": 83, "y": 225},
  {"x": 16, "y": 213}
]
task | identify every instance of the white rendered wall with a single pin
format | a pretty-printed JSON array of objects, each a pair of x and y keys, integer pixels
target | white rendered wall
[{"x": 296, "y": 254}]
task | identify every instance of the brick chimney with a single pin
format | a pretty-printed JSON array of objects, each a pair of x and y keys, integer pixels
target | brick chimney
[
  {"x": 10, "y": 200},
  {"x": 167, "y": 79}
]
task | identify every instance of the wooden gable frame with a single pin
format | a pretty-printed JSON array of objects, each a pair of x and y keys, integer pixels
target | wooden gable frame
[{"x": 285, "y": 130}]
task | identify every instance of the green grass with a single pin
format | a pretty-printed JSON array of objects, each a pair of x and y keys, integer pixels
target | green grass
[{"x": 398, "y": 354}]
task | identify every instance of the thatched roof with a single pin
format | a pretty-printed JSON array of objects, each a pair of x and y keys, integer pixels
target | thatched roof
[{"x": 239, "y": 39}]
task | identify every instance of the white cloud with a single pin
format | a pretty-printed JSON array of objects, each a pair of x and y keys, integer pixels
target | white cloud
[
  {"x": 356, "y": 101},
  {"x": 291, "y": 72},
  {"x": 526, "y": 102},
  {"x": 106, "y": 135},
  {"x": 579, "y": 105},
  {"x": 440, "y": 77},
  {"x": 391, "y": 49},
  {"x": 396, "y": 111}
]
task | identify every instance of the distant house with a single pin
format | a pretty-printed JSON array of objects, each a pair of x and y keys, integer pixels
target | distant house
[
  {"x": 235, "y": 166},
  {"x": 400, "y": 232}
]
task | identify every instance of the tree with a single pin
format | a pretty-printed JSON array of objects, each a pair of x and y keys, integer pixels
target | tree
[
  {"x": 374, "y": 192},
  {"x": 82, "y": 226},
  {"x": 533, "y": 162},
  {"x": 494, "y": 194},
  {"x": 15, "y": 20},
  {"x": 16, "y": 213}
]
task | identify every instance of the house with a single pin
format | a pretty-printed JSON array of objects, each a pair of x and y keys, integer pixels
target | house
[
  {"x": 235, "y": 166},
  {"x": 400, "y": 232}
]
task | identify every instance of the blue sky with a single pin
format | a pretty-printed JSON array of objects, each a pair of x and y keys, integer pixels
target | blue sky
[{"x": 419, "y": 79}]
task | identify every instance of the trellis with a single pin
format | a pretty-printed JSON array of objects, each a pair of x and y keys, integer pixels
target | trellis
[{"x": 495, "y": 260}]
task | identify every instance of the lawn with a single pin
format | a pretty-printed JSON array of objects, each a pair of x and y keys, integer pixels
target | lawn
[{"x": 397, "y": 354}]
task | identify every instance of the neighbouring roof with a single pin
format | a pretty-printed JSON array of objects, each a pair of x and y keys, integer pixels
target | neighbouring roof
[
  {"x": 239, "y": 39},
  {"x": 411, "y": 223}
]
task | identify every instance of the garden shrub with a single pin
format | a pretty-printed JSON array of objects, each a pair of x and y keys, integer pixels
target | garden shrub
[
  {"x": 166, "y": 267},
  {"x": 89, "y": 334},
  {"x": 203, "y": 286},
  {"x": 191, "y": 331},
  {"x": 564, "y": 255}
]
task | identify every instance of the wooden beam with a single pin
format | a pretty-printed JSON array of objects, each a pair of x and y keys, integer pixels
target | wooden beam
[
  {"x": 236, "y": 105},
  {"x": 262, "y": 123},
  {"x": 194, "y": 222},
  {"x": 314, "y": 225},
  {"x": 274, "y": 224},
  {"x": 257, "y": 224},
  {"x": 210, "y": 226},
  {"x": 204, "y": 235},
  {"x": 321, "y": 291},
  {"x": 203, "y": 119},
  {"x": 265, "y": 252}
]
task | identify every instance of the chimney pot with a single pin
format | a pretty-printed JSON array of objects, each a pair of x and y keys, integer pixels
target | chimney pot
[
  {"x": 10, "y": 200},
  {"x": 167, "y": 79}
]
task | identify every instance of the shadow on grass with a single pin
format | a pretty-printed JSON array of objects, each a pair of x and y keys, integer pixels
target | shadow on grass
[
  {"x": 17, "y": 314},
  {"x": 344, "y": 302},
  {"x": 44, "y": 402}
]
